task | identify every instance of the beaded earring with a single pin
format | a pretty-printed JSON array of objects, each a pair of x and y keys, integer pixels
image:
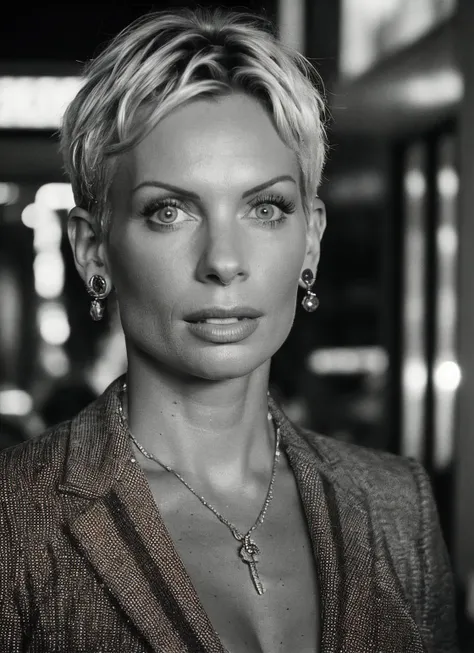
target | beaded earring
[
  {"x": 97, "y": 288},
  {"x": 310, "y": 301}
]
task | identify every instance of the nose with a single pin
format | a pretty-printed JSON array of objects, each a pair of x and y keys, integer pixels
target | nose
[{"x": 222, "y": 259}]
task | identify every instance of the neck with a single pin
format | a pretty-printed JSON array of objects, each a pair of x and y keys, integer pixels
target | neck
[{"x": 217, "y": 432}]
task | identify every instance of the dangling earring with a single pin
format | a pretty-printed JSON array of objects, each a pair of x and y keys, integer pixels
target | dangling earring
[
  {"x": 310, "y": 302},
  {"x": 97, "y": 288}
]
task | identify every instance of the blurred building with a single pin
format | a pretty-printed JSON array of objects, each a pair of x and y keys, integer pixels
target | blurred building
[{"x": 388, "y": 359}]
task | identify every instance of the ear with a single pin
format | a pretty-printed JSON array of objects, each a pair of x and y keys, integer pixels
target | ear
[
  {"x": 87, "y": 246},
  {"x": 315, "y": 227}
]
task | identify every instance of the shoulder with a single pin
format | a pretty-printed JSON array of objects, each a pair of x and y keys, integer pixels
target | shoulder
[
  {"x": 384, "y": 478},
  {"x": 363, "y": 460},
  {"x": 39, "y": 462},
  {"x": 35, "y": 463}
]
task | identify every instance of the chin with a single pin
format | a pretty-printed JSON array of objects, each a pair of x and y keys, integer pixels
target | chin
[
  {"x": 227, "y": 362},
  {"x": 231, "y": 361}
]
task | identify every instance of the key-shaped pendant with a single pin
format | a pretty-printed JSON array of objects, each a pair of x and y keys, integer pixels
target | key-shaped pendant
[{"x": 249, "y": 553}]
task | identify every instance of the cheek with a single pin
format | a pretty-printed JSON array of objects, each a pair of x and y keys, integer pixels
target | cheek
[
  {"x": 286, "y": 264},
  {"x": 142, "y": 276}
]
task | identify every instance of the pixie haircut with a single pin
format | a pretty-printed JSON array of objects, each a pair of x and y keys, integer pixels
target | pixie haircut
[{"x": 167, "y": 58}]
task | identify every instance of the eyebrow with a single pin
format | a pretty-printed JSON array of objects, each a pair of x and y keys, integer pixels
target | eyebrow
[{"x": 195, "y": 196}]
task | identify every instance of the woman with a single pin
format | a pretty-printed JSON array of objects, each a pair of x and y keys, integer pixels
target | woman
[{"x": 182, "y": 511}]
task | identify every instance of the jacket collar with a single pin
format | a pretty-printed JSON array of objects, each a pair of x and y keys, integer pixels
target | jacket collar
[
  {"x": 140, "y": 565},
  {"x": 98, "y": 448}
]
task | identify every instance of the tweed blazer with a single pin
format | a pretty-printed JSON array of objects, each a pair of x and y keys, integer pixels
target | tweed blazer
[{"x": 87, "y": 564}]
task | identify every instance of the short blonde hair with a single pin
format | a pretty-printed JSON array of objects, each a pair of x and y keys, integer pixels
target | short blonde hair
[{"x": 167, "y": 58}]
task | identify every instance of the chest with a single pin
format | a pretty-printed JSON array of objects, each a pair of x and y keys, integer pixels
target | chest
[{"x": 286, "y": 616}]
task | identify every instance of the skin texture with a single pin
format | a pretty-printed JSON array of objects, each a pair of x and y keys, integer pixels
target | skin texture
[{"x": 201, "y": 407}]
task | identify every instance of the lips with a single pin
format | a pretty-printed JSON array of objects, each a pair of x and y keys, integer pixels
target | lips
[
  {"x": 224, "y": 330},
  {"x": 221, "y": 315}
]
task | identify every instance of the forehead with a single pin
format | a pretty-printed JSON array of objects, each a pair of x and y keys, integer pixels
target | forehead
[{"x": 231, "y": 139}]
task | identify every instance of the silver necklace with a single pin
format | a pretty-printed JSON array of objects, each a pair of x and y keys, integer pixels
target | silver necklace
[{"x": 249, "y": 551}]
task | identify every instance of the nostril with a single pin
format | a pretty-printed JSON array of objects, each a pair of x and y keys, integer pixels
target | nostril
[{"x": 218, "y": 279}]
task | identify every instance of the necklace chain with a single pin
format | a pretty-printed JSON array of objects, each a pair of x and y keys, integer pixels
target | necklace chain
[{"x": 249, "y": 551}]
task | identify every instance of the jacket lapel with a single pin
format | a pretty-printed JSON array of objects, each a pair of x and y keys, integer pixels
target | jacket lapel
[
  {"x": 363, "y": 608},
  {"x": 124, "y": 538}
]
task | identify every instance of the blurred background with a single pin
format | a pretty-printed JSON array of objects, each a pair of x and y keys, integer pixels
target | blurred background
[{"x": 388, "y": 359}]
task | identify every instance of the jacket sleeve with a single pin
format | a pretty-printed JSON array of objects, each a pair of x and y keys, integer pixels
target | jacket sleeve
[
  {"x": 11, "y": 584},
  {"x": 438, "y": 611}
]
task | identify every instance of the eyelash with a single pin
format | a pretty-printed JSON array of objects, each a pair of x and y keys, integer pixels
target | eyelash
[{"x": 285, "y": 205}]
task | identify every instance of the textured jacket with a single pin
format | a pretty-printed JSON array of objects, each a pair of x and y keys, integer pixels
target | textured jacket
[{"x": 87, "y": 564}]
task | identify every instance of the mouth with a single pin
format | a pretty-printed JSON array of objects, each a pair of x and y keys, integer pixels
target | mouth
[
  {"x": 224, "y": 316},
  {"x": 223, "y": 326}
]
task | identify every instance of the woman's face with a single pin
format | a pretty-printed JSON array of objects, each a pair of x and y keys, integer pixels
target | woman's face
[{"x": 191, "y": 233}]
